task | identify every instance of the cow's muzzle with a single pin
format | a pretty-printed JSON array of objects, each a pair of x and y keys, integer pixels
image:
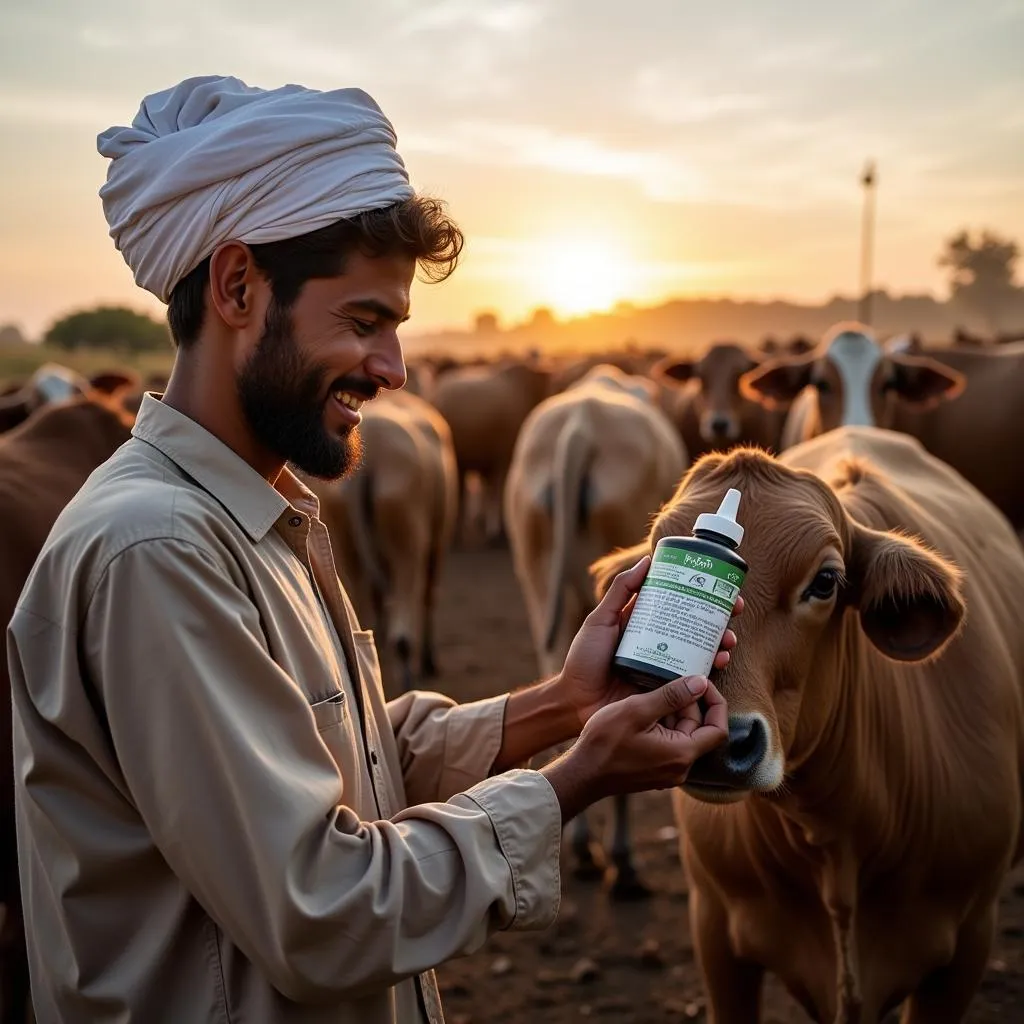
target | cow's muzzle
[{"x": 739, "y": 766}]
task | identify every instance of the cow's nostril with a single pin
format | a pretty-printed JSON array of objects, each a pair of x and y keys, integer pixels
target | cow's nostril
[{"x": 748, "y": 744}]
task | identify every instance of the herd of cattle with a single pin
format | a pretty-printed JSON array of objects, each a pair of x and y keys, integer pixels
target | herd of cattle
[{"x": 877, "y": 696}]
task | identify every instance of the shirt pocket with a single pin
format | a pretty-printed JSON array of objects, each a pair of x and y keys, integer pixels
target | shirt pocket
[{"x": 330, "y": 711}]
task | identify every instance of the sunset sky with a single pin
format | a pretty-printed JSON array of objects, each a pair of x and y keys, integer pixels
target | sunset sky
[{"x": 593, "y": 151}]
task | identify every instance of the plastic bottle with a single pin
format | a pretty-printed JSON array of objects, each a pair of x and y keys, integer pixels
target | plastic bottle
[{"x": 686, "y": 601}]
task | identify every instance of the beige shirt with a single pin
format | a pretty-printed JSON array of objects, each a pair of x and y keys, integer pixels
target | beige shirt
[{"x": 220, "y": 819}]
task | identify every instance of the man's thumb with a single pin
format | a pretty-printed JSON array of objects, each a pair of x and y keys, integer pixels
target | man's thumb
[{"x": 672, "y": 697}]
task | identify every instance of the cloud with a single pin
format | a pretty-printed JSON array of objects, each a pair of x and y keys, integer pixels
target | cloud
[
  {"x": 55, "y": 110},
  {"x": 463, "y": 14},
  {"x": 536, "y": 146}
]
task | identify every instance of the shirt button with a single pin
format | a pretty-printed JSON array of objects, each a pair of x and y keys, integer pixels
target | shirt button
[
  {"x": 373, "y": 756},
  {"x": 295, "y": 521}
]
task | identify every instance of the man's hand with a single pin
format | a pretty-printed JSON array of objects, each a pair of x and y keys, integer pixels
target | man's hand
[
  {"x": 586, "y": 681},
  {"x": 627, "y": 747}
]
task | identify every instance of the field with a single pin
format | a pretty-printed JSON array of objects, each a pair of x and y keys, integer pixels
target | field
[
  {"x": 634, "y": 962},
  {"x": 18, "y": 361}
]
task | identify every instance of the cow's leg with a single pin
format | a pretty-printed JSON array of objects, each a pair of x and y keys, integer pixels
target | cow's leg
[
  {"x": 943, "y": 996},
  {"x": 462, "y": 510},
  {"x": 733, "y": 985},
  {"x": 493, "y": 506},
  {"x": 588, "y": 857},
  {"x": 428, "y": 662},
  {"x": 627, "y": 884}
]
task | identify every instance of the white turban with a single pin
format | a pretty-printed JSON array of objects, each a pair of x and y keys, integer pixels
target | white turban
[{"x": 214, "y": 159}]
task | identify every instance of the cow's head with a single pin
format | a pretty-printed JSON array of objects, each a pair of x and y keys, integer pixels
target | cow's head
[
  {"x": 855, "y": 379},
  {"x": 718, "y": 400},
  {"x": 813, "y": 568}
]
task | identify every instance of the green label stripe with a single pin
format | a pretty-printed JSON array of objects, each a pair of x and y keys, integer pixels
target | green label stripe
[
  {"x": 681, "y": 588},
  {"x": 700, "y": 563}
]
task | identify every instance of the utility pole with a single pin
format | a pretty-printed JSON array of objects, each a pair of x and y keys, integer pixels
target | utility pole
[{"x": 867, "y": 242}]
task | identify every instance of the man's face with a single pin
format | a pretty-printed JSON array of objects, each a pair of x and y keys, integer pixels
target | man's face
[{"x": 301, "y": 385}]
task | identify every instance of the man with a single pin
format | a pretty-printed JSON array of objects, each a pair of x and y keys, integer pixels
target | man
[{"x": 220, "y": 818}]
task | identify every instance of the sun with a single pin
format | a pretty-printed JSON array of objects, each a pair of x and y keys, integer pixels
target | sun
[{"x": 582, "y": 275}]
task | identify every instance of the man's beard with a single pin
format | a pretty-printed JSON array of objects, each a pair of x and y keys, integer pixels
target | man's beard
[{"x": 282, "y": 397}]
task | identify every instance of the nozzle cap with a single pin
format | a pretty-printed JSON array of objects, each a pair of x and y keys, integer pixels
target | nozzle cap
[{"x": 723, "y": 521}]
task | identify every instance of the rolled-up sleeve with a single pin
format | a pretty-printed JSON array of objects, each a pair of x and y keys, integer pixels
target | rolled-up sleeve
[
  {"x": 222, "y": 757},
  {"x": 444, "y": 747}
]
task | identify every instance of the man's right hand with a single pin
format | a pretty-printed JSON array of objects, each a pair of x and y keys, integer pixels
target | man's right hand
[{"x": 645, "y": 741}]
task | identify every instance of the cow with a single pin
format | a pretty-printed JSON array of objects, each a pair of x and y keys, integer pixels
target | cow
[
  {"x": 43, "y": 463},
  {"x": 53, "y": 382},
  {"x": 420, "y": 379},
  {"x": 630, "y": 360},
  {"x": 589, "y": 468},
  {"x": 485, "y": 407},
  {"x": 797, "y": 345},
  {"x": 853, "y": 834},
  {"x": 853, "y": 381},
  {"x": 703, "y": 399},
  {"x": 391, "y": 524}
]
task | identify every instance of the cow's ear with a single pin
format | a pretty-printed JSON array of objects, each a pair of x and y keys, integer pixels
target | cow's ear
[
  {"x": 112, "y": 381},
  {"x": 910, "y": 599},
  {"x": 606, "y": 568},
  {"x": 922, "y": 381},
  {"x": 671, "y": 369},
  {"x": 776, "y": 382}
]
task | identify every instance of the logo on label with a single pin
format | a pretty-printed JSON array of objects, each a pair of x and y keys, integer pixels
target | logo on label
[
  {"x": 698, "y": 581},
  {"x": 697, "y": 562},
  {"x": 663, "y": 647},
  {"x": 733, "y": 577}
]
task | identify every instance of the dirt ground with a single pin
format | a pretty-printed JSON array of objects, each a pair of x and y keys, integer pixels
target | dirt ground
[{"x": 612, "y": 961}]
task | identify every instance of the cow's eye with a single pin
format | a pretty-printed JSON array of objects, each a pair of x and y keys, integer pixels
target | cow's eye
[{"x": 823, "y": 586}]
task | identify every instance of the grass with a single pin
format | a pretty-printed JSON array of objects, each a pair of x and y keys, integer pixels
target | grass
[{"x": 20, "y": 361}]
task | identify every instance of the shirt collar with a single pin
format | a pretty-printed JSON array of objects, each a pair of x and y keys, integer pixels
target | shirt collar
[{"x": 248, "y": 498}]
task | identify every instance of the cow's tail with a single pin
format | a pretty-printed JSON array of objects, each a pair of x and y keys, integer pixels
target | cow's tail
[
  {"x": 573, "y": 454},
  {"x": 360, "y": 522}
]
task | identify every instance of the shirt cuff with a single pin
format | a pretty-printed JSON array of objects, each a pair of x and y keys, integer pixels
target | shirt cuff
[
  {"x": 527, "y": 820},
  {"x": 473, "y": 734}
]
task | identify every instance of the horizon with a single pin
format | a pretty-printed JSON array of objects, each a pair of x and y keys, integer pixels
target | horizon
[{"x": 592, "y": 155}]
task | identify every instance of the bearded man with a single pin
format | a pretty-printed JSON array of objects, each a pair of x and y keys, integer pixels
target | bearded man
[{"x": 220, "y": 817}]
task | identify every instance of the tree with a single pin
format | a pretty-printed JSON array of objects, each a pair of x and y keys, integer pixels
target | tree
[
  {"x": 485, "y": 323},
  {"x": 982, "y": 274},
  {"x": 542, "y": 318},
  {"x": 108, "y": 327},
  {"x": 11, "y": 336}
]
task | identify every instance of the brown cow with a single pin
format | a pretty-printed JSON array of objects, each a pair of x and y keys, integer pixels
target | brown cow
[
  {"x": 43, "y": 463},
  {"x": 485, "y": 407},
  {"x": 590, "y": 467},
  {"x": 53, "y": 382},
  {"x": 853, "y": 835},
  {"x": 855, "y": 382},
  {"x": 709, "y": 410},
  {"x": 391, "y": 524}
]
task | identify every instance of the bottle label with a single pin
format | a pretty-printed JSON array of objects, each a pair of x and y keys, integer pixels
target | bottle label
[{"x": 681, "y": 612}]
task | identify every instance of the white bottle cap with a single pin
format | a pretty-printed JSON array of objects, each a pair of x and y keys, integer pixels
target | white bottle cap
[{"x": 724, "y": 520}]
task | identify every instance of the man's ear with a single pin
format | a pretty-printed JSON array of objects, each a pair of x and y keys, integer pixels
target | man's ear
[
  {"x": 672, "y": 369},
  {"x": 234, "y": 282},
  {"x": 909, "y": 598},
  {"x": 923, "y": 381},
  {"x": 776, "y": 382}
]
